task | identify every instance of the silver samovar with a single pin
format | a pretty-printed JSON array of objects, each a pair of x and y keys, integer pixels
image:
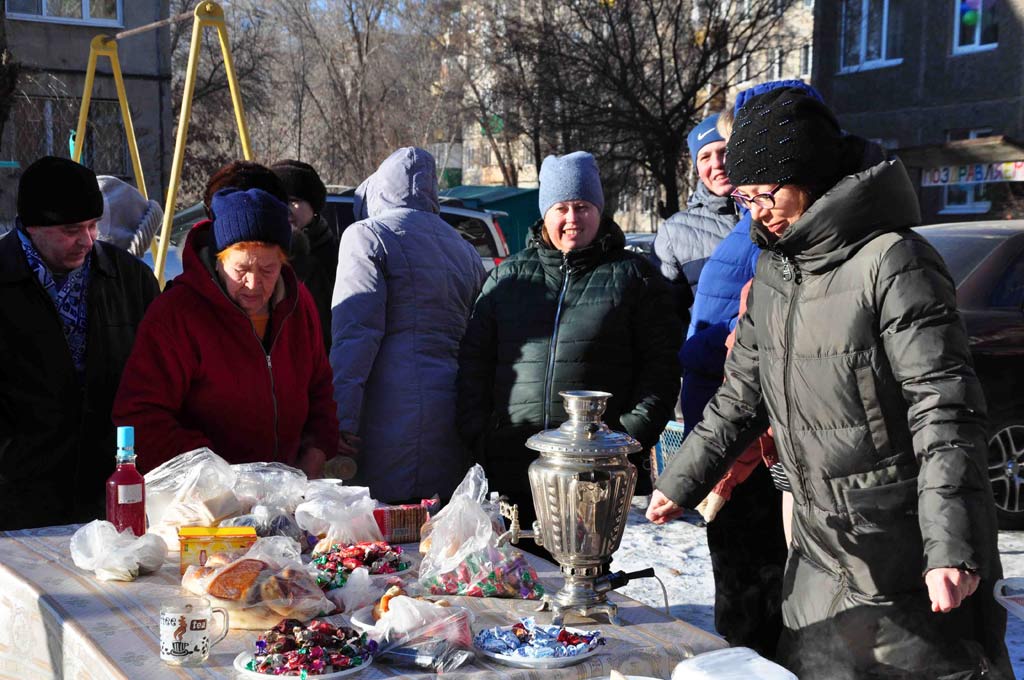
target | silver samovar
[{"x": 582, "y": 487}]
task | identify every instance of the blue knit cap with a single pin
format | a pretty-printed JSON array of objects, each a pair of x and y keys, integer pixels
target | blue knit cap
[
  {"x": 252, "y": 215},
  {"x": 572, "y": 177},
  {"x": 703, "y": 134}
]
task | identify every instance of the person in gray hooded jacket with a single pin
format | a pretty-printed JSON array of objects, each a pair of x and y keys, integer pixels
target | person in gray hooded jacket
[
  {"x": 853, "y": 350},
  {"x": 403, "y": 294},
  {"x": 687, "y": 239}
]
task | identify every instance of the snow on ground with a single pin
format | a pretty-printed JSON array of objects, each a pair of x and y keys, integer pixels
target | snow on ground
[{"x": 678, "y": 551}]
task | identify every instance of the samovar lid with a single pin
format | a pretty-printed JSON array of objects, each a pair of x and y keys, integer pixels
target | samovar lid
[{"x": 584, "y": 434}]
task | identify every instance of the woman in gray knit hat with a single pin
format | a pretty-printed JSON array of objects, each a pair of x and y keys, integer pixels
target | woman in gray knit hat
[
  {"x": 575, "y": 310},
  {"x": 853, "y": 351}
]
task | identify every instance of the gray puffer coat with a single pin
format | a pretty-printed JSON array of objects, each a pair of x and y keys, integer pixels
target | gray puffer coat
[
  {"x": 405, "y": 288},
  {"x": 852, "y": 349},
  {"x": 687, "y": 239}
]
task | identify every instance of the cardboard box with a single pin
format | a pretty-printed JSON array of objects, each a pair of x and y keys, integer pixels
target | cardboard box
[
  {"x": 198, "y": 543},
  {"x": 401, "y": 523}
]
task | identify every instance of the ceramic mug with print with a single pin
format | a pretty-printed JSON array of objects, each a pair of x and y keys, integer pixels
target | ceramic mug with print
[{"x": 186, "y": 630}]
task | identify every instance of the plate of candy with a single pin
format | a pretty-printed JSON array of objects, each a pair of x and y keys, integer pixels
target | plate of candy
[
  {"x": 527, "y": 644},
  {"x": 321, "y": 650},
  {"x": 334, "y": 562}
]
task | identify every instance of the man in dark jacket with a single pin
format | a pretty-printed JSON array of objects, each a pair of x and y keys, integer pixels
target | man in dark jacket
[
  {"x": 852, "y": 349},
  {"x": 315, "y": 249},
  {"x": 69, "y": 308},
  {"x": 687, "y": 239}
]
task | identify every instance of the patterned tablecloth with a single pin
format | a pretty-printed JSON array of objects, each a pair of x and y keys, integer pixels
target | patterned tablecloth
[{"x": 59, "y": 621}]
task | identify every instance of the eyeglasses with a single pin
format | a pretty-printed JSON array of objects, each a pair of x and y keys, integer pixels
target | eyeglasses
[{"x": 765, "y": 201}]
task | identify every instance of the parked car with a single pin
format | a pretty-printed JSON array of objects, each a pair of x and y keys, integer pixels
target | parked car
[
  {"x": 479, "y": 227},
  {"x": 644, "y": 244},
  {"x": 986, "y": 260}
]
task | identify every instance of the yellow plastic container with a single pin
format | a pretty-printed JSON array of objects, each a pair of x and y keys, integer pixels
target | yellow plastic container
[{"x": 198, "y": 543}]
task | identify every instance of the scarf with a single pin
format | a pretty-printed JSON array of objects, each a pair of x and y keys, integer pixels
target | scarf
[{"x": 69, "y": 297}]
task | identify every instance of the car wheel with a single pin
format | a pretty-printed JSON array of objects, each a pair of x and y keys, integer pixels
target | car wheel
[{"x": 1006, "y": 473}]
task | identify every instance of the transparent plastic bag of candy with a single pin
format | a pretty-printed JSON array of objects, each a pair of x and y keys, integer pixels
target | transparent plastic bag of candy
[
  {"x": 474, "y": 488},
  {"x": 269, "y": 521},
  {"x": 270, "y": 484},
  {"x": 195, "y": 489},
  {"x": 461, "y": 555},
  {"x": 266, "y": 584},
  {"x": 98, "y": 547},
  {"x": 338, "y": 513},
  {"x": 411, "y": 619}
]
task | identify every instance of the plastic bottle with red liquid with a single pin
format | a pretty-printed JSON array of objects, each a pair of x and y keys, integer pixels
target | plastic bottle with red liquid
[{"x": 126, "y": 489}]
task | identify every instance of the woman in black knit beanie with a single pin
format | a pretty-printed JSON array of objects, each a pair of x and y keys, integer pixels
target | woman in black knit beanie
[{"x": 853, "y": 351}]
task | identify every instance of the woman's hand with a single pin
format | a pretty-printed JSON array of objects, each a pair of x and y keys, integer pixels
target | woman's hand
[
  {"x": 949, "y": 587},
  {"x": 311, "y": 461},
  {"x": 662, "y": 508},
  {"x": 349, "y": 444}
]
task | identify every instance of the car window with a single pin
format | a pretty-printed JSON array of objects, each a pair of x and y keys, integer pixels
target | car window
[
  {"x": 475, "y": 232},
  {"x": 1009, "y": 292},
  {"x": 338, "y": 215},
  {"x": 963, "y": 252}
]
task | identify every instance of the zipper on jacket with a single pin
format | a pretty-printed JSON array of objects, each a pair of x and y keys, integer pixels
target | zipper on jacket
[
  {"x": 550, "y": 377},
  {"x": 791, "y": 272}
]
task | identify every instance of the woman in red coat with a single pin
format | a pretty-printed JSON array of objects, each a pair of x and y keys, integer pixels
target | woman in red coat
[{"x": 231, "y": 357}]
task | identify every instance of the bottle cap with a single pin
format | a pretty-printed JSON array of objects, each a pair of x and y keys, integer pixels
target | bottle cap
[{"x": 126, "y": 437}]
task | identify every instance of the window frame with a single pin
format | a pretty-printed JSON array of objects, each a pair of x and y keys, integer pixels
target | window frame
[
  {"x": 862, "y": 65},
  {"x": 86, "y": 20},
  {"x": 806, "y": 59},
  {"x": 972, "y": 206},
  {"x": 777, "y": 59},
  {"x": 959, "y": 49}
]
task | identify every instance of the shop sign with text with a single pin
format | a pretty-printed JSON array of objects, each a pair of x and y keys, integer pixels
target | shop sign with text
[{"x": 976, "y": 173}]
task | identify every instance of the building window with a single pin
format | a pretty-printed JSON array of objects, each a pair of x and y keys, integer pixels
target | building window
[
  {"x": 744, "y": 73},
  {"x": 746, "y": 9},
  {"x": 777, "y": 56},
  {"x": 43, "y": 126},
  {"x": 871, "y": 34},
  {"x": 975, "y": 25},
  {"x": 967, "y": 198},
  {"x": 805, "y": 60},
  {"x": 102, "y": 12},
  {"x": 809, "y": 4}
]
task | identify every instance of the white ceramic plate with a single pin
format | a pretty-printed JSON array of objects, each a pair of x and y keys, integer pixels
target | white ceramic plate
[
  {"x": 245, "y": 657},
  {"x": 543, "y": 662}
]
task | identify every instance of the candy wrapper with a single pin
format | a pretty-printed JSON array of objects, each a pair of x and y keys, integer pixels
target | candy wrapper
[
  {"x": 334, "y": 562},
  {"x": 461, "y": 555},
  {"x": 292, "y": 648},
  {"x": 531, "y": 640}
]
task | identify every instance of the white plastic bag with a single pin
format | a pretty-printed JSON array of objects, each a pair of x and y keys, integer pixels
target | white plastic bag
[
  {"x": 735, "y": 663},
  {"x": 192, "y": 489},
  {"x": 409, "y": 618},
  {"x": 270, "y": 484},
  {"x": 268, "y": 521},
  {"x": 341, "y": 514},
  {"x": 360, "y": 591},
  {"x": 113, "y": 556}
]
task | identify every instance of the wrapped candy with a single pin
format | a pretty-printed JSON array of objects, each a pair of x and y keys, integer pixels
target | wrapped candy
[
  {"x": 316, "y": 649},
  {"x": 335, "y": 562},
  {"x": 528, "y": 639}
]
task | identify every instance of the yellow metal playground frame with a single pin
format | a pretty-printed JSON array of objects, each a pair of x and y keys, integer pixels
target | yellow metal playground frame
[{"x": 206, "y": 14}]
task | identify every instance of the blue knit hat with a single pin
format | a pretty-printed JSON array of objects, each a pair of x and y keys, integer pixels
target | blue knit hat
[
  {"x": 252, "y": 215},
  {"x": 572, "y": 177},
  {"x": 703, "y": 134}
]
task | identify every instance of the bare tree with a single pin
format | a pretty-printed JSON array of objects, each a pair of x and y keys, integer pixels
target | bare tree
[{"x": 629, "y": 78}]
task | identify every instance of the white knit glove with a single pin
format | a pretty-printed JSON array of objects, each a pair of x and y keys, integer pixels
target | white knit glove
[{"x": 709, "y": 507}]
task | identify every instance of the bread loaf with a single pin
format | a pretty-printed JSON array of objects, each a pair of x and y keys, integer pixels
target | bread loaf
[{"x": 234, "y": 580}]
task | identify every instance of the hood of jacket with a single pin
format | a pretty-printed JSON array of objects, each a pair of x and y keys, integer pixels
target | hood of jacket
[
  {"x": 702, "y": 199},
  {"x": 406, "y": 179},
  {"x": 199, "y": 272},
  {"x": 860, "y": 207}
]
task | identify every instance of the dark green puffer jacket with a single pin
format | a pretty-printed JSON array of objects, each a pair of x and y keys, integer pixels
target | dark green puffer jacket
[
  {"x": 598, "y": 318},
  {"x": 852, "y": 349}
]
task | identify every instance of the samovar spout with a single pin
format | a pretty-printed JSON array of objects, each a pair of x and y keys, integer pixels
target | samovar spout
[{"x": 510, "y": 512}]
